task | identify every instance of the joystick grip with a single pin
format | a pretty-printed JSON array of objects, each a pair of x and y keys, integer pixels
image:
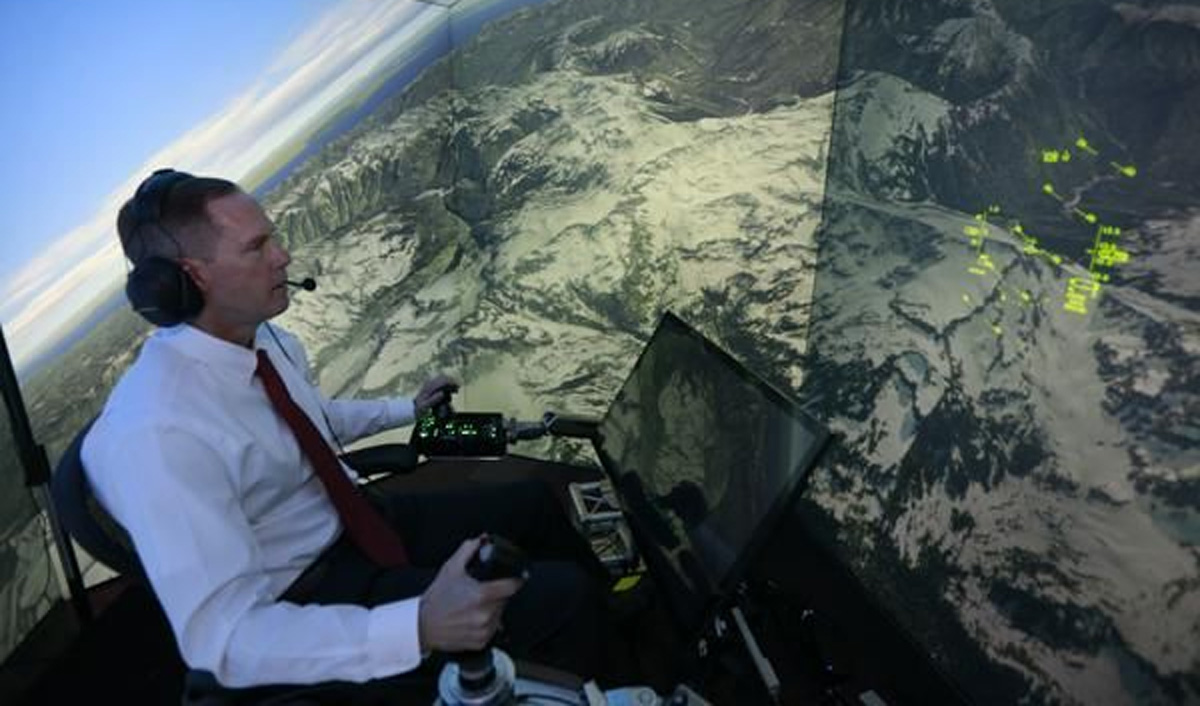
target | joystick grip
[{"x": 497, "y": 558}]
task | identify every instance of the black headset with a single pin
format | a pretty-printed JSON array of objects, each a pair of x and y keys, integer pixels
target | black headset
[{"x": 158, "y": 287}]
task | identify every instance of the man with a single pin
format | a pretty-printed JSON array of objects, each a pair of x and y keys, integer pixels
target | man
[{"x": 242, "y": 540}]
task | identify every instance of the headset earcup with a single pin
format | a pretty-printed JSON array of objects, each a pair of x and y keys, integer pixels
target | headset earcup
[{"x": 163, "y": 293}]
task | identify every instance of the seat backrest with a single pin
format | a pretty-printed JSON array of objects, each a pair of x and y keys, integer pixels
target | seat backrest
[{"x": 85, "y": 519}]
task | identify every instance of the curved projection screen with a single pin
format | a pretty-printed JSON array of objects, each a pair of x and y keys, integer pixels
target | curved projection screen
[
  {"x": 1005, "y": 334},
  {"x": 965, "y": 231}
]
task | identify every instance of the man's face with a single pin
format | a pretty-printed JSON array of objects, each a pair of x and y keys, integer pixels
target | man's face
[{"x": 243, "y": 279}]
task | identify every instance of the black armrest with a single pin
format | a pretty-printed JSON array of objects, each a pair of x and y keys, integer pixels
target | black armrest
[{"x": 384, "y": 458}]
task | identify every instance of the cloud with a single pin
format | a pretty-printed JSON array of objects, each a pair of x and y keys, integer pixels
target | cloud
[
  {"x": 78, "y": 287},
  {"x": 65, "y": 279},
  {"x": 335, "y": 56}
]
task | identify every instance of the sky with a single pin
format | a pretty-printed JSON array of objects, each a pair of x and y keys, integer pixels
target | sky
[{"x": 98, "y": 94}]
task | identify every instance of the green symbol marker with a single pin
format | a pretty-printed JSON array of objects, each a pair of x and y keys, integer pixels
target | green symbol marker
[{"x": 1128, "y": 170}]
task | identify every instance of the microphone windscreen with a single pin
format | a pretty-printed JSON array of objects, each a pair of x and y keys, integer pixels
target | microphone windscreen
[{"x": 307, "y": 284}]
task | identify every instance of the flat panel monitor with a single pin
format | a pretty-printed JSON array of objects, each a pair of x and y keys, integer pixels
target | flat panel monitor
[{"x": 705, "y": 457}]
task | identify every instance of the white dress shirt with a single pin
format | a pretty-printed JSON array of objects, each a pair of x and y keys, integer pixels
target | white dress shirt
[{"x": 225, "y": 511}]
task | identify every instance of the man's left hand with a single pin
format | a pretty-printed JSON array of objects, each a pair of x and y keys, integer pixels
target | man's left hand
[{"x": 434, "y": 392}]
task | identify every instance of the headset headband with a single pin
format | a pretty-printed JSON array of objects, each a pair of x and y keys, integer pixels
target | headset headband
[{"x": 153, "y": 192}]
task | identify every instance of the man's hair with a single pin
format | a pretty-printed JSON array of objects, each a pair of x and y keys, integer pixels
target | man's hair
[{"x": 183, "y": 227}]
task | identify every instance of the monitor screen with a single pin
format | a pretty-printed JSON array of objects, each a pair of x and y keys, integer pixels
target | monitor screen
[{"x": 704, "y": 456}]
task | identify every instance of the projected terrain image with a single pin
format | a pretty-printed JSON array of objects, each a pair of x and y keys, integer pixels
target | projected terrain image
[
  {"x": 964, "y": 230},
  {"x": 27, "y": 586},
  {"x": 592, "y": 164},
  {"x": 1005, "y": 331}
]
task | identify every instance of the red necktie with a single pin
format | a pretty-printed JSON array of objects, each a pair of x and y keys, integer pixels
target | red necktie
[{"x": 367, "y": 528}]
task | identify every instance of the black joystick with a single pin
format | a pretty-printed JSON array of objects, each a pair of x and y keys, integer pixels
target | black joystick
[
  {"x": 443, "y": 410},
  {"x": 497, "y": 558},
  {"x": 485, "y": 676}
]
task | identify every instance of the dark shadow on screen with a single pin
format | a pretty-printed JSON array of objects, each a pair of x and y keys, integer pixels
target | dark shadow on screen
[
  {"x": 645, "y": 512},
  {"x": 687, "y": 501}
]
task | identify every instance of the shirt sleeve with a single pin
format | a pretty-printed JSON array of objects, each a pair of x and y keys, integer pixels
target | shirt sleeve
[
  {"x": 353, "y": 419},
  {"x": 203, "y": 562}
]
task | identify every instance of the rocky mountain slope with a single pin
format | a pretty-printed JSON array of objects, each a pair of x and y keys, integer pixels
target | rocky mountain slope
[
  {"x": 1019, "y": 483},
  {"x": 525, "y": 232}
]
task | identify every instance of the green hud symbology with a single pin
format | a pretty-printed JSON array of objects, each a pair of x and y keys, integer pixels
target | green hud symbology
[{"x": 1104, "y": 254}]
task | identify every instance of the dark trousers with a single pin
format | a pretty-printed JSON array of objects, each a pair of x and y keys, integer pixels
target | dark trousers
[{"x": 555, "y": 619}]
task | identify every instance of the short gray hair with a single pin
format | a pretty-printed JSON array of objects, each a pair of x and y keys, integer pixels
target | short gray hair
[{"x": 183, "y": 228}]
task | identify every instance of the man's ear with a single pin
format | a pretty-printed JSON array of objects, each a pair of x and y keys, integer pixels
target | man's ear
[{"x": 197, "y": 271}]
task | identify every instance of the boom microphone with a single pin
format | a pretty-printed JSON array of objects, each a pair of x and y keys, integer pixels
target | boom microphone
[{"x": 308, "y": 284}]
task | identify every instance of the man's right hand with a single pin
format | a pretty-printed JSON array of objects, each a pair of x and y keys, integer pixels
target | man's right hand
[{"x": 459, "y": 613}]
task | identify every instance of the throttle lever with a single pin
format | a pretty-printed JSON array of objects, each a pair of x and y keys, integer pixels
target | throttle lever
[{"x": 443, "y": 410}]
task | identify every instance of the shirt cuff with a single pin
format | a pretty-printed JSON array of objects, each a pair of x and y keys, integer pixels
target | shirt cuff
[
  {"x": 401, "y": 411},
  {"x": 393, "y": 638}
]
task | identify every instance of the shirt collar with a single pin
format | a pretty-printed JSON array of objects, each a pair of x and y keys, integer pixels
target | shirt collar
[{"x": 212, "y": 351}]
